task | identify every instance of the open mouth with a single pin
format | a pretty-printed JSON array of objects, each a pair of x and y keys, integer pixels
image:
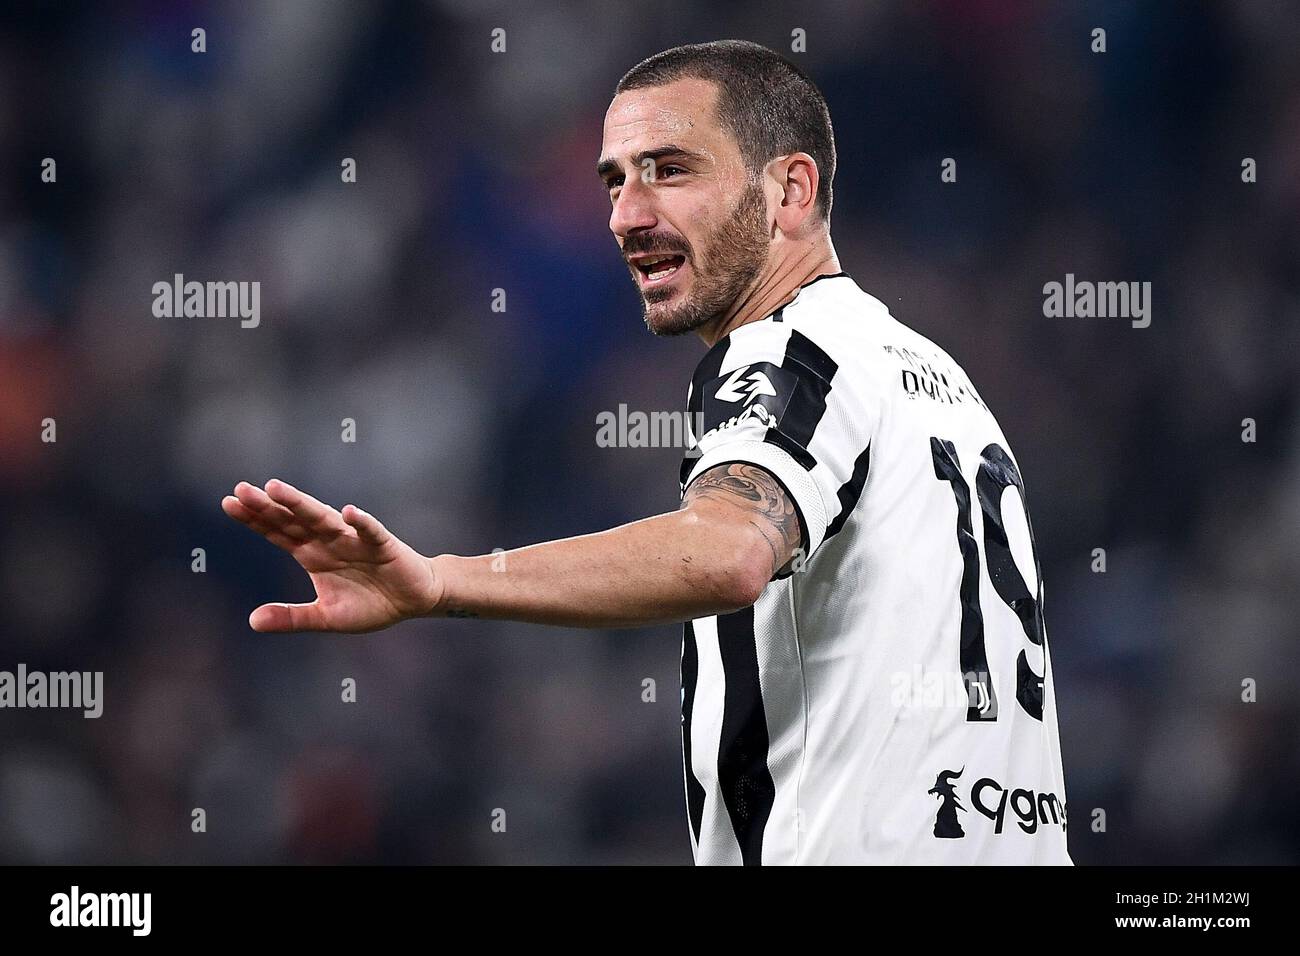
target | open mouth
[{"x": 658, "y": 269}]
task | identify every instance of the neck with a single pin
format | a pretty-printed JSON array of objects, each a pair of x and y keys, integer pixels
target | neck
[{"x": 776, "y": 287}]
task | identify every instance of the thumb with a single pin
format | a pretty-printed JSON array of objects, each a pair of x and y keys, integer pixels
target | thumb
[{"x": 283, "y": 618}]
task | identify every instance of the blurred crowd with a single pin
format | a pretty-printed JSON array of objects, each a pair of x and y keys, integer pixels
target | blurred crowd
[{"x": 476, "y": 426}]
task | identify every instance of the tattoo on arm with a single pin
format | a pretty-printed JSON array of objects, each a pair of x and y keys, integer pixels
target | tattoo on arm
[{"x": 769, "y": 508}]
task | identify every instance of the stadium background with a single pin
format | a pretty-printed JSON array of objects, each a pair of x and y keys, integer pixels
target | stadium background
[{"x": 477, "y": 428}]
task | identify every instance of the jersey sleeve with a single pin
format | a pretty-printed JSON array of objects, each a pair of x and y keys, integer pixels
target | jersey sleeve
[{"x": 778, "y": 400}]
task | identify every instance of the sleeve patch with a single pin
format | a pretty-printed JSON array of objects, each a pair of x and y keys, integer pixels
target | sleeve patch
[{"x": 759, "y": 391}]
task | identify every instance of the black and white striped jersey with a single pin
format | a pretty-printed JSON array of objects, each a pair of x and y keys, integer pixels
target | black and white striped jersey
[{"x": 890, "y": 698}]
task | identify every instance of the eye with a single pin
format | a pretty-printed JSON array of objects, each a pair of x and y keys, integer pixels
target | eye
[{"x": 667, "y": 170}]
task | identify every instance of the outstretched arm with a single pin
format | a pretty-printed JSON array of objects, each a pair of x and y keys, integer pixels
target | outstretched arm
[{"x": 736, "y": 527}]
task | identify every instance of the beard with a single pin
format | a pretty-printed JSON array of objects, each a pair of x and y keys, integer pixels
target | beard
[{"x": 734, "y": 255}]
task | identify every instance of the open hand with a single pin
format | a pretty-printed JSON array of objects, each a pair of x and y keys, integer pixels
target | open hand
[{"x": 365, "y": 578}]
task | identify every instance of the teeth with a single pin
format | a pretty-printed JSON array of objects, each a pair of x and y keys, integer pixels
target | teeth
[{"x": 646, "y": 265}]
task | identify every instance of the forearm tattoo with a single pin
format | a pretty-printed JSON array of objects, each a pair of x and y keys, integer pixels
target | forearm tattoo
[{"x": 769, "y": 508}]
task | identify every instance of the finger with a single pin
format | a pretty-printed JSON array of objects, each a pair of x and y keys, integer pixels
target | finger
[
  {"x": 286, "y": 618},
  {"x": 277, "y": 515},
  {"x": 310, "y": 513},
  {"x": 367, "y": 525},
  {"x": 235, "y": 508},
  {"x": 267, "y": 513}
]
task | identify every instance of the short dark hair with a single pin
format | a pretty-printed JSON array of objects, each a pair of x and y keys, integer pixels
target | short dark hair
[{"x": 767, "y": 102}]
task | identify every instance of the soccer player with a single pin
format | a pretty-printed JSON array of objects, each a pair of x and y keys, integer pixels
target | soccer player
[{"x": 865, "y": 672}]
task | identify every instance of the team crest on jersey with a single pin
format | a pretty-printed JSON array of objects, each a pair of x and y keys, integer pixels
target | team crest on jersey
[
  {"x": 1029, "y": 809},
  {"x": 759, "y": 391}
]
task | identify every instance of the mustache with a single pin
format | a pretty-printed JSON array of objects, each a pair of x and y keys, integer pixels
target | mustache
[{"x": 662, "y": 245}]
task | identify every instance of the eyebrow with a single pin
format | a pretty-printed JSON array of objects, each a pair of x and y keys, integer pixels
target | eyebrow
[{"x": 608, "y": 165}]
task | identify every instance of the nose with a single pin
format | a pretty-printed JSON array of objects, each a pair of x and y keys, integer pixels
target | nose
[{"x": 633, "y": 209}]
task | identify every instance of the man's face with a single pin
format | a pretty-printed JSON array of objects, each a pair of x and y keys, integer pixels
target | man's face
[{"x": 681, "y": 194}]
